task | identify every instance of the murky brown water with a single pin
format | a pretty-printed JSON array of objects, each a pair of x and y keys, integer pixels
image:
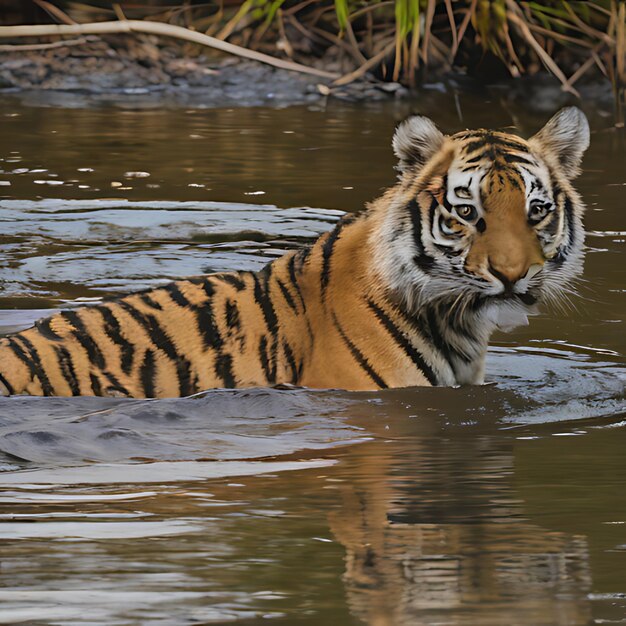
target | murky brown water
[{"x": 503, "y": 504}]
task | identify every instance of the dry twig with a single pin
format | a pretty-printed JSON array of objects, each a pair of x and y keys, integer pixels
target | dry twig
[
  {"x": 368, "y": 65},
  {"x": 158, "y": 28},
  {"x": 55, "y": 12},
  {"x": 43, "y": 46},
  {"x": 541, "y": 53}
]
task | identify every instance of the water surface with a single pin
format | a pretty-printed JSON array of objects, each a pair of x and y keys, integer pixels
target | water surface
[{"x": 485, "y": 505}]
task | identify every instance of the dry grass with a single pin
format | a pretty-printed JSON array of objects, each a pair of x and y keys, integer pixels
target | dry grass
[{"x": 400, "y": 39}]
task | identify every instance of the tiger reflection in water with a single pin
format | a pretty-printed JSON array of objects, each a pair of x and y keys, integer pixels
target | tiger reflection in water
[{"x": 440, "y": 536}]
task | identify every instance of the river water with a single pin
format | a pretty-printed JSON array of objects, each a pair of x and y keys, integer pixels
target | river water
[{"x": 501, "y": 504}]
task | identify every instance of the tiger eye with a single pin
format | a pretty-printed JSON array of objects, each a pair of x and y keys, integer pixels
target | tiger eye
[
  {"x": 538, "y": 210},
  {"x": 466, "y": 211}
]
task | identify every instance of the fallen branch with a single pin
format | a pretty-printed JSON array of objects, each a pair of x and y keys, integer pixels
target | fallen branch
[
  {"x": 44, "y": 46},
  {"x": 157, "y": 28}
]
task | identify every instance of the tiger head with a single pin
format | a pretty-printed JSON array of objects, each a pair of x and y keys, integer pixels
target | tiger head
[{"x": 484, "y": 217}]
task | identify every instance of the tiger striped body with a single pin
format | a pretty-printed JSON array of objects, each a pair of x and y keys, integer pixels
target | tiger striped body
[
  {"x": 289, "y": 323},
  {"x": 406, "y": 293}
]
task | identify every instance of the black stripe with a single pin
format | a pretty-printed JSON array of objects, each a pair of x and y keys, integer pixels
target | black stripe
[
  {"x": 43, "y": 326},
  {"x": 269, "y": 369},
  {"x": 291, "y": 361},
  {"x": 147, "y": 374},
  {"x": 327, "y": 253},
  {"x": 261, "y": 297},
  {"x": 449, "y": 250},
  {"x": 208, "y": 287},
  {"x": 95, "y": 385},
  {"x": 568, "y": 209},
  {"x": 433, "y": 205},
  {"x": 291, "y": 266},
  {"x": 477, "y": 144},
  {"x": 150, "y": 324},
  {"x": 550, "y": 225},
  {"x": 113, "y": 331},
  {"x": 435, "y": 336},
  {"x": 209, "y": 329},
  {"x": 67, "y": 368},
  {"x": 231, "y": 314},
  {"x": 493, "y": 142},
  {"x": 403, "y": 342},
  {"x": 287, "y": 295},
  {"x": 6, "y": 383},
  {"x": 115, "y": 384},
  {"x": 186, "y": 385},
  {"x": 474, "y": 159},
  {"x": 21, "y": 355},
  {"x": 416, "y": 221},
  {"x": 94, "y": 354},
  {"x": 568, "y": 221},
  {"x": 358, "y": 356},
  {"x": 161, "y": 340},
  {"x": 232, "y": 279},
  {"x": 274, "y": 356},
  {"x": 174, "y": 292},
  {"x": 211, "y": 336},
  {"x": 446, "y": 203},
  {"x": 422, "y": 259},
  {"x": 205, "y": 319},
  {"x": 568, "y": 218},
  {"x": 511, "y": 174},
  {"x": 146, "y": 299},
  {"x": 511, "y": 145},
  {"x": 224, "y": 370},
  {"x": 36, "y": 365}
]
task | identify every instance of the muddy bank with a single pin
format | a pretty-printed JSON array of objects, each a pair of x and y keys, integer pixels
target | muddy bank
[
  {"x": 143, "y": 71},
  {"x": 137, "y": 66}
]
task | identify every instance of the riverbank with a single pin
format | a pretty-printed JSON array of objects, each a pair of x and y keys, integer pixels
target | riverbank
[
  {"x": 132, "y": 65},
  {"x": 143, "y": 70}
]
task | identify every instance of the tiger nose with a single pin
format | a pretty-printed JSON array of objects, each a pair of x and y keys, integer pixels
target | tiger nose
[{"x": 508, "y": 275}]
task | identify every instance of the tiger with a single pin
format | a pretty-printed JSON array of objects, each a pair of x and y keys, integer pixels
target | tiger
[{"x": 480, "y": 227}]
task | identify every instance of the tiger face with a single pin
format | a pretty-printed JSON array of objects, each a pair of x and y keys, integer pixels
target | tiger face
[{"x": 488, "y": 219}]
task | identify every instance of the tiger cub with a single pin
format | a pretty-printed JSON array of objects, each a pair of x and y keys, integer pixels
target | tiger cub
[{"x": 480, "y": 226}]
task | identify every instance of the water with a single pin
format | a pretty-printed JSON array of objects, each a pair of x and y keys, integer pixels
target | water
[{"x": 485, "y": 505}]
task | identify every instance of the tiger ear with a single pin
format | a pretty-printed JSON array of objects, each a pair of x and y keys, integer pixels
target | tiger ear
[
  {"x": 415, "y": 141},
  {"x": 565, "y": 136}
]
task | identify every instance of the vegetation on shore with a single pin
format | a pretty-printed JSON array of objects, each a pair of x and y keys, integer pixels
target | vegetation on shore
[{"x": 399, "y": 40}]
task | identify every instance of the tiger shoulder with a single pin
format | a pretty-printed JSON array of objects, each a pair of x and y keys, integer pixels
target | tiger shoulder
[{"x": 481, "y": 226}]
